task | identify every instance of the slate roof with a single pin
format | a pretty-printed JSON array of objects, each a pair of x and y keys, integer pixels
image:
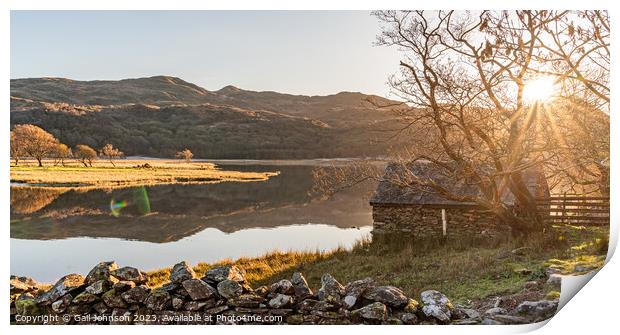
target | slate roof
[{"x": 391, "y": 190}]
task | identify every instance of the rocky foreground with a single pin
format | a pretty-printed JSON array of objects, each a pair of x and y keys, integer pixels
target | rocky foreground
[{"x": 113, "y": 295}]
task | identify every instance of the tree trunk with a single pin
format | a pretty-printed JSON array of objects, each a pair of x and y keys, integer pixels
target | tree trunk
[
  {"x": 39, "y": 160},
  {"x": 84, "y": 162},
  {"x": 112, "y": 162}
]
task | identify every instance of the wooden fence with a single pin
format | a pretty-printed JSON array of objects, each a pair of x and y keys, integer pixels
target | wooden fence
[{"x": 574, "y": 210}]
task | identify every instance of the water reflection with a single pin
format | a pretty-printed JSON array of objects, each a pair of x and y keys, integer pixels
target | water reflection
[{"x": 70, "y": 230}]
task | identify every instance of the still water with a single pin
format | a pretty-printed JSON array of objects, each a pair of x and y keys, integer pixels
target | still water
[{"x": 58, "y": 231}]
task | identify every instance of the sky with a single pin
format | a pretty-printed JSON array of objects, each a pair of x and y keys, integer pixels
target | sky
[{"x": 311, "y": 53}]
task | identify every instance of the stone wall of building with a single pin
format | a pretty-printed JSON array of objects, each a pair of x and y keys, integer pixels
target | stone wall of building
[{"x": 427, "y": 222}]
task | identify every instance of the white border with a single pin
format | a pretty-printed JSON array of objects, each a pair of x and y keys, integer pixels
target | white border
[{"x": 595, "y": 308}]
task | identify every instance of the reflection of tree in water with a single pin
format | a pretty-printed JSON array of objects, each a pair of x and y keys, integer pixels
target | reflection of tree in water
[{"x": 28, "y": 200}]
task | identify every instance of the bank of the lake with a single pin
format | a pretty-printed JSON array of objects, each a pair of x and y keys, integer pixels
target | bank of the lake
[{"x": 127, "y": 172}]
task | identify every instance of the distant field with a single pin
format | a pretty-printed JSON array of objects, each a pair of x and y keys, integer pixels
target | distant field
[{"x": 126, "y": 173}]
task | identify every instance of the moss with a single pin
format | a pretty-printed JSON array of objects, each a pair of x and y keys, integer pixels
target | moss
[
  {"x": 27, "y": 307},
  {"x": 552, "y": 295},
  {"x": 412, "y": 306}
]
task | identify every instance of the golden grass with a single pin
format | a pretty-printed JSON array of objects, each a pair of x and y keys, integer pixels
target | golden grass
[
  {"x": 464, "y": 270},
  {"x": 127, "y": 173}
]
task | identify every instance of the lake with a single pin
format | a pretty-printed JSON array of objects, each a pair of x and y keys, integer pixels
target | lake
[{"x": 56, "y": 231}]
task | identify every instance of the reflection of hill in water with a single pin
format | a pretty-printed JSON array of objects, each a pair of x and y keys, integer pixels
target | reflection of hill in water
[
  {"x": 27, "y": 200},
  {"x": 183, "y": 210}
]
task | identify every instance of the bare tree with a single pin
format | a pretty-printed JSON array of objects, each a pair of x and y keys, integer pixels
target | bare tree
[
  {"x": 62, "y": 152},
  {"x": 16, "y": 148},
  {"x": 34, "y": 141},
  {"x": 464, "y": 77},
  {"x": 185, "y": 154},
  {"x": 85, "y": 154},
  {"x": 110, "y": 152}
]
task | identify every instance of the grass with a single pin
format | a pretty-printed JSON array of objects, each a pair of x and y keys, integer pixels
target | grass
[
  {"x": 127, "y": 173},
  {"x": 463, "y": 269}
]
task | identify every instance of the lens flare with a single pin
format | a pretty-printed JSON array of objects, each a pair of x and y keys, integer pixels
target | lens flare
[
  {"x": 116, "y": 206},
  {"x": 539, "y": 89}
]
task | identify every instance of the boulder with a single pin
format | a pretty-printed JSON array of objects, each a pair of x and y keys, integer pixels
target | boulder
[
  {"x": 123, "y": 285},
  {"x": 281, "y": 301},
  {"x": 375, "y": 311},
  {"x": 409, "y": 318},
  {"x": 555, "y": 279},
  {"x": 331, "y": 290},
  {"x": 27, "y": 307},
  {"x": 158, "y": 300},
  {"x": 181, "y": 272},
  {"x": 494, "y": 311},
  {"x": 300, "y": 285},
  {"x": 66, "y": 284},
  {"x": 61, "y": 304},
  {"x": 537, "y": 310},
  {"x": 198, "y": 289},
  {"x": 85, "y": 298},
  {"x": 436, "y": 305},
  {"x": 130, "y": 274},
  {"x": 98, "y": 287},
  {"x": 101, "y": 271},
  {"x": 354, "y": 291},
  {"x": 177, "y": 302},
  {"x": 136, "y": 295},
  {"x": 22, "y": 284},
  {"x": 411, "y": 306},
  {"x": 113, "y": 299},
  {"x": 461, "y": 313},
  {"x": 229, "y": 289},
  {"x": 389, "y": 295},
  {"x": 246, "y": 300},
  {"x": 220, "y": 273},
  {"x": 510, "y": 319},
  {"x": 283, "y": 286}
]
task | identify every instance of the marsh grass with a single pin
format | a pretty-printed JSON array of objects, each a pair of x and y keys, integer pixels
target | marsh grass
[
  {"x": 127, "y": 173},
  {"x": 464, "y": 269}
]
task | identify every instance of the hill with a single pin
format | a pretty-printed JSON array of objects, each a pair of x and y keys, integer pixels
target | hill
[{"x": 157, "y": 116}]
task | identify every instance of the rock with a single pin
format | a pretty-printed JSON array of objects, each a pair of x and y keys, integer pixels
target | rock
[
  {"x": 510, "y": 319},
  {"x": 101, "y": 308},
  {"x": 281, "y": 301},
  {"x": 436, "y": 305},
  {"x": 552, "y": 270},
  {"x": 101, "y": 271},
  {"x": 460, "y": 313},
  {"x": 555, "y": 279},
  {"x": 283, "y": 286},
  {"x": 331, "y": 290},
  {"x": 158, "y": 300},
  {"x": 354, "y": 291},
  {"x": 177, "y": 303},
  {"x": 198, "y": 289},
  {"x": 98, "y": 287},
  {"x": 113, "y": 299},
  {"x": 22, "y": 284},
  {"x": 389, "y": 295},
  {"x": 295, "y": 319},
  {"x": 490, "y": 322},
  {"x": 136, "y": 295},
  {"x": 181, "y": 272},
  {"x": 85, "y": 298},
  {"x": 374, "y": 311},
  {"x": 537, "y": 310},
  {"x": 196, "y": 305},
  {"x": 123, "y": 285},
  {"x": 585, "y": 268},
  {"x": 66, "y": 284},
  {"x": 121, "y": 316},
  {"x": 61, "y": 304},
  {"x": 409, "y": 318},
  {"x": 221, "y": 273},
  {"x": 246, "y": 300},
  {"x": 130, "y": 274},
  {"x": 216, "y": 310},
  {"x": 467, "y": 322},
  {"x": 494, "y": 311},
  {"x": 229, "y": 289},
  {"x": 300, "y": 285},
  {"x": 411, "y": 306}
]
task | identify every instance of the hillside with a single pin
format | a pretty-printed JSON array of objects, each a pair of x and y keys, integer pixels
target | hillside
[{"x": 157, "y": 116}]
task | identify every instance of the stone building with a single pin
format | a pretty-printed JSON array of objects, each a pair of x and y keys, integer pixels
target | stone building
[{"x": 422, "y": 211}]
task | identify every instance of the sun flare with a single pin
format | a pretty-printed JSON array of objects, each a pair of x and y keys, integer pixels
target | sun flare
[{"x": 539, "y": 89}]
